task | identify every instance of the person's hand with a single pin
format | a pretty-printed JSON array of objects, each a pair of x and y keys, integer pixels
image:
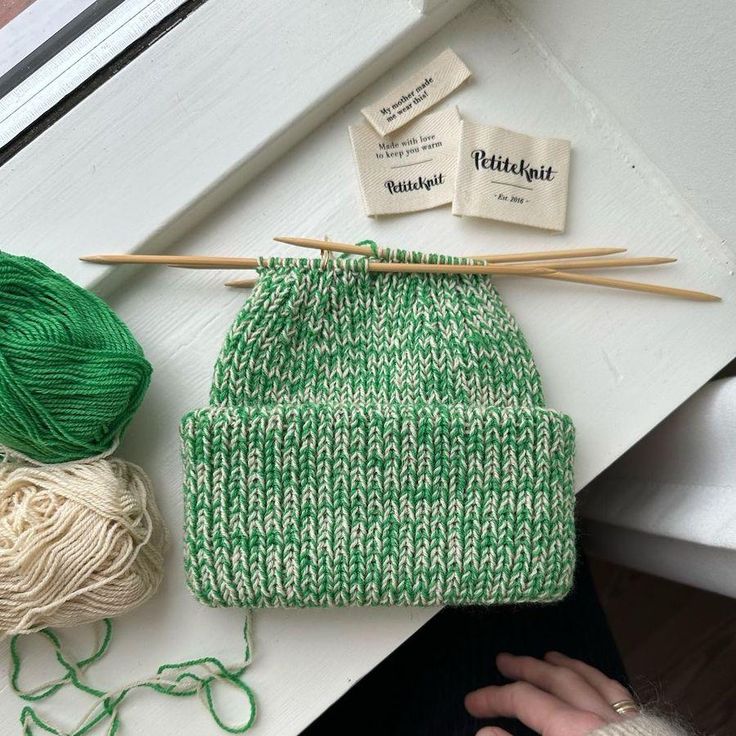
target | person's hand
[{"x": 557, "y": 696}]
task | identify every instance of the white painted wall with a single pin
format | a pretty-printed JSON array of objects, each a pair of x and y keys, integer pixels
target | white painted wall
[{"x": 667, "y": 71}]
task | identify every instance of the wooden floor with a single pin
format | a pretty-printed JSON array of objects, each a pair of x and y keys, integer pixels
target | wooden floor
[{"x": 678, "y": 644}]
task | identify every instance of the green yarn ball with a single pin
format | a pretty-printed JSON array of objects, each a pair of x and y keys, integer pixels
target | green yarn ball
[{"x": 71, "y": 373}]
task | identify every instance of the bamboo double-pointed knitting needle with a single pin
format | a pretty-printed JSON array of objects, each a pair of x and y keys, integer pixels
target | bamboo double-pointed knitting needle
[
  {"x": 236, "y": 263},
  {"x": 587, "y": 263},
  {"x": 494, "y": 268},
  {"x": 364, "y": 250},
  {"x": 545, "y": 255},
  {"x": 223, "y": 262},
  {"x": 251, "y": 263},
  {"x": 545, "y": 273},
  {"x": 388, "y": 267},
  {"x": 558, "y": 276},
  {"x": 578, "y": 278},
  {"x": 464, "y": 268}
]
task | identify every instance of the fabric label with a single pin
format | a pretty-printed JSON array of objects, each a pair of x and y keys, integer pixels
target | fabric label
[
  {"x": 418, "y": 93},
  {"x": 411, "y": 170},
  {"x": 508, "y": 176}
]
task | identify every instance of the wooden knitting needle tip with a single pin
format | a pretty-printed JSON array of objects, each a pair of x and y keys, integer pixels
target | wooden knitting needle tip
[
  {"x": 358, "y": 250},
  {"x": 699, "y": 296},
  {"x": 223, "y": 262},
  {"x": 546, "y": 255},
  {"x": 587, "y": 263},
  {"x": 242, "y": 283}
]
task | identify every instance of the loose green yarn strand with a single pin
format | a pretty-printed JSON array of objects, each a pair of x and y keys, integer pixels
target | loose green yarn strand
[
  {"x": 71, "y": 373},
  {"x": 183, "y": 684}
]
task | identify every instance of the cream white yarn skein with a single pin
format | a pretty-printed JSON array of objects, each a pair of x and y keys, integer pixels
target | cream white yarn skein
[{"x": 78, "y": 542}]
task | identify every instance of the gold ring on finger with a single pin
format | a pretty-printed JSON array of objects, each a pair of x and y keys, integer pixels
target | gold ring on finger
[{"x": 622, "y": 707}]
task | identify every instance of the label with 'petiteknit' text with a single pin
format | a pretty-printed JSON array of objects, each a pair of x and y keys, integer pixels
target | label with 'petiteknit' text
[
  {"x": 512, "y": 177},
  {"x": 414, "y": 169}
]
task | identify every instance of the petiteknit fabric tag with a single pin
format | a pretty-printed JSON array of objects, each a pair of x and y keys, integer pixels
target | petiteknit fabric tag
[
  {"x": 417, "y": 94},
  {"x": 411, "y": 170},
  {"x": 512, "y": 177}
]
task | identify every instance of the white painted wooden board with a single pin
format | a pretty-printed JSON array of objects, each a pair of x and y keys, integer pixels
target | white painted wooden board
[
  {"x": 668, "y": 72},
  {"x": 617, "y": 362}
]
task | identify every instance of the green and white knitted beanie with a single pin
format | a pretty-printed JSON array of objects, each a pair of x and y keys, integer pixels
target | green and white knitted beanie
[{"x": 376, "y": 439}]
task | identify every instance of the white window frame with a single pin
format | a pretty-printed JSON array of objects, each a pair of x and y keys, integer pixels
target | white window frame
[
  {"x": 217, "y": 111},
  {"x": 76, "y": 62}
]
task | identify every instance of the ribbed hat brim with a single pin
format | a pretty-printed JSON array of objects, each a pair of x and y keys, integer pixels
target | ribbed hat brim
[{"x": 337, "y": 505}]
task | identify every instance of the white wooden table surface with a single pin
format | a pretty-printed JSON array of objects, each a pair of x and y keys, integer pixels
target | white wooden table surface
[{"x": 617, "y": 362}]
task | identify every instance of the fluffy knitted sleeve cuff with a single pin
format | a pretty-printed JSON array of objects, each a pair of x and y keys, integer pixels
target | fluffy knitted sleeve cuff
[{"x": 643, "y": 725}]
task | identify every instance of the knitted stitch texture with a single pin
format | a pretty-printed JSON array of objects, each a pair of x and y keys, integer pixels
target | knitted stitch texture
[
  {"x": 641, "y": 725},
  {"x": 376, "y": 439}
]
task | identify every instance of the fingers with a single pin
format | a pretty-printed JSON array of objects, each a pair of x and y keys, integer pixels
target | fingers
[
  {"x": 492, "y": 731},
  {"x": 563, "y": 682},
  {"x": 611, "y": 690},
  {"x": 531, "y": 706}
]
